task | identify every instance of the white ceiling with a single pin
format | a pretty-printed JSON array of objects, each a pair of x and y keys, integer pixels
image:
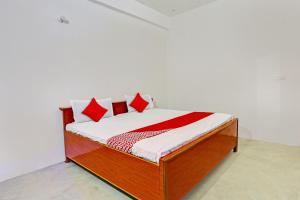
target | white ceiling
[{"x": 174, "y": 7}]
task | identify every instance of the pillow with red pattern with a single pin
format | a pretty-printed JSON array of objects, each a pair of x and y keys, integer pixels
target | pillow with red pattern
[
  {"x": 94, "y": 111},
  {"x": 138, "y": 103}
]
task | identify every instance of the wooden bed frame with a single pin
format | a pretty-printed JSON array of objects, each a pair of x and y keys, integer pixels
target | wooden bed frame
[{"x": 176, "y": 174}]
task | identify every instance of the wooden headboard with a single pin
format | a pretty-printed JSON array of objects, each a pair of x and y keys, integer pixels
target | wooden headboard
[{"x": 118, "y": 108}]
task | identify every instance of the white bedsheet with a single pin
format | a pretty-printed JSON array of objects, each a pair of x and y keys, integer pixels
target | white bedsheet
[{"x": 155, "y": 147}]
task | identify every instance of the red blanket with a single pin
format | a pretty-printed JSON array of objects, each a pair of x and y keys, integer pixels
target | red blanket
[{"x": 124, "y": 142}]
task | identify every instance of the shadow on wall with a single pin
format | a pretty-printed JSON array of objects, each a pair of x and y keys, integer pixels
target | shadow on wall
[{"x": 131, "y": 13}]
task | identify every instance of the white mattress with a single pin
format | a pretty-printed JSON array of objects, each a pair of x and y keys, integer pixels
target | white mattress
[{"x": 155, "y": 147}]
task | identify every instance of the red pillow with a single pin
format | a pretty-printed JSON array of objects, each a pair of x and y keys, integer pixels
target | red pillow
[
  {"x": 139, "y": 103},
  {"x": 94, "y": 111}
]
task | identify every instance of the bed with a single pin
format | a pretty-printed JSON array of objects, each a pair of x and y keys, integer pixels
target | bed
[{"x": 166, "y": 166}]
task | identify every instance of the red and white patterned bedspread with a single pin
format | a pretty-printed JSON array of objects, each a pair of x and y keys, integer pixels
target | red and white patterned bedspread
[{"x": 124, "y": 142}]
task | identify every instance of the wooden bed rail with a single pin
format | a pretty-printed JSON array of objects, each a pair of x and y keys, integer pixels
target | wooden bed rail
[{"x": 195, "y": 142}]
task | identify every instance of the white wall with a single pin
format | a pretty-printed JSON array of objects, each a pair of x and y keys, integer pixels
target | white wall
[
  {"x": 230, "y": 55},
  {"x": 43, "y": 64}
]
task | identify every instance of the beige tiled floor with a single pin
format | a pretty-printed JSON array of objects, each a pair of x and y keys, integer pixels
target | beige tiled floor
[{"x": 260, "y": 171}]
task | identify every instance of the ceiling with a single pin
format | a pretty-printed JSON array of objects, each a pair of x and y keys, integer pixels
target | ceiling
[{"x": 174, "y": 7}]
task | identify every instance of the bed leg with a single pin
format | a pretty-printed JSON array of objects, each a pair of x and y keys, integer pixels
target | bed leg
[
  {"x": 67, "y": 160},
  {"x": 235, "y": 149}
]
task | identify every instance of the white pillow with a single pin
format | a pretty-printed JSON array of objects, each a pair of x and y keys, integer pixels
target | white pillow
[
  {"x": 129, "y": 99},
  {"x": 79, "y": 105}
]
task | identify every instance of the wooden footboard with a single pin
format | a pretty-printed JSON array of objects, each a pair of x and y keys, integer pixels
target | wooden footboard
[
  {"x": 174, "y": 176},
  {"x": 186, "y": 167}
]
